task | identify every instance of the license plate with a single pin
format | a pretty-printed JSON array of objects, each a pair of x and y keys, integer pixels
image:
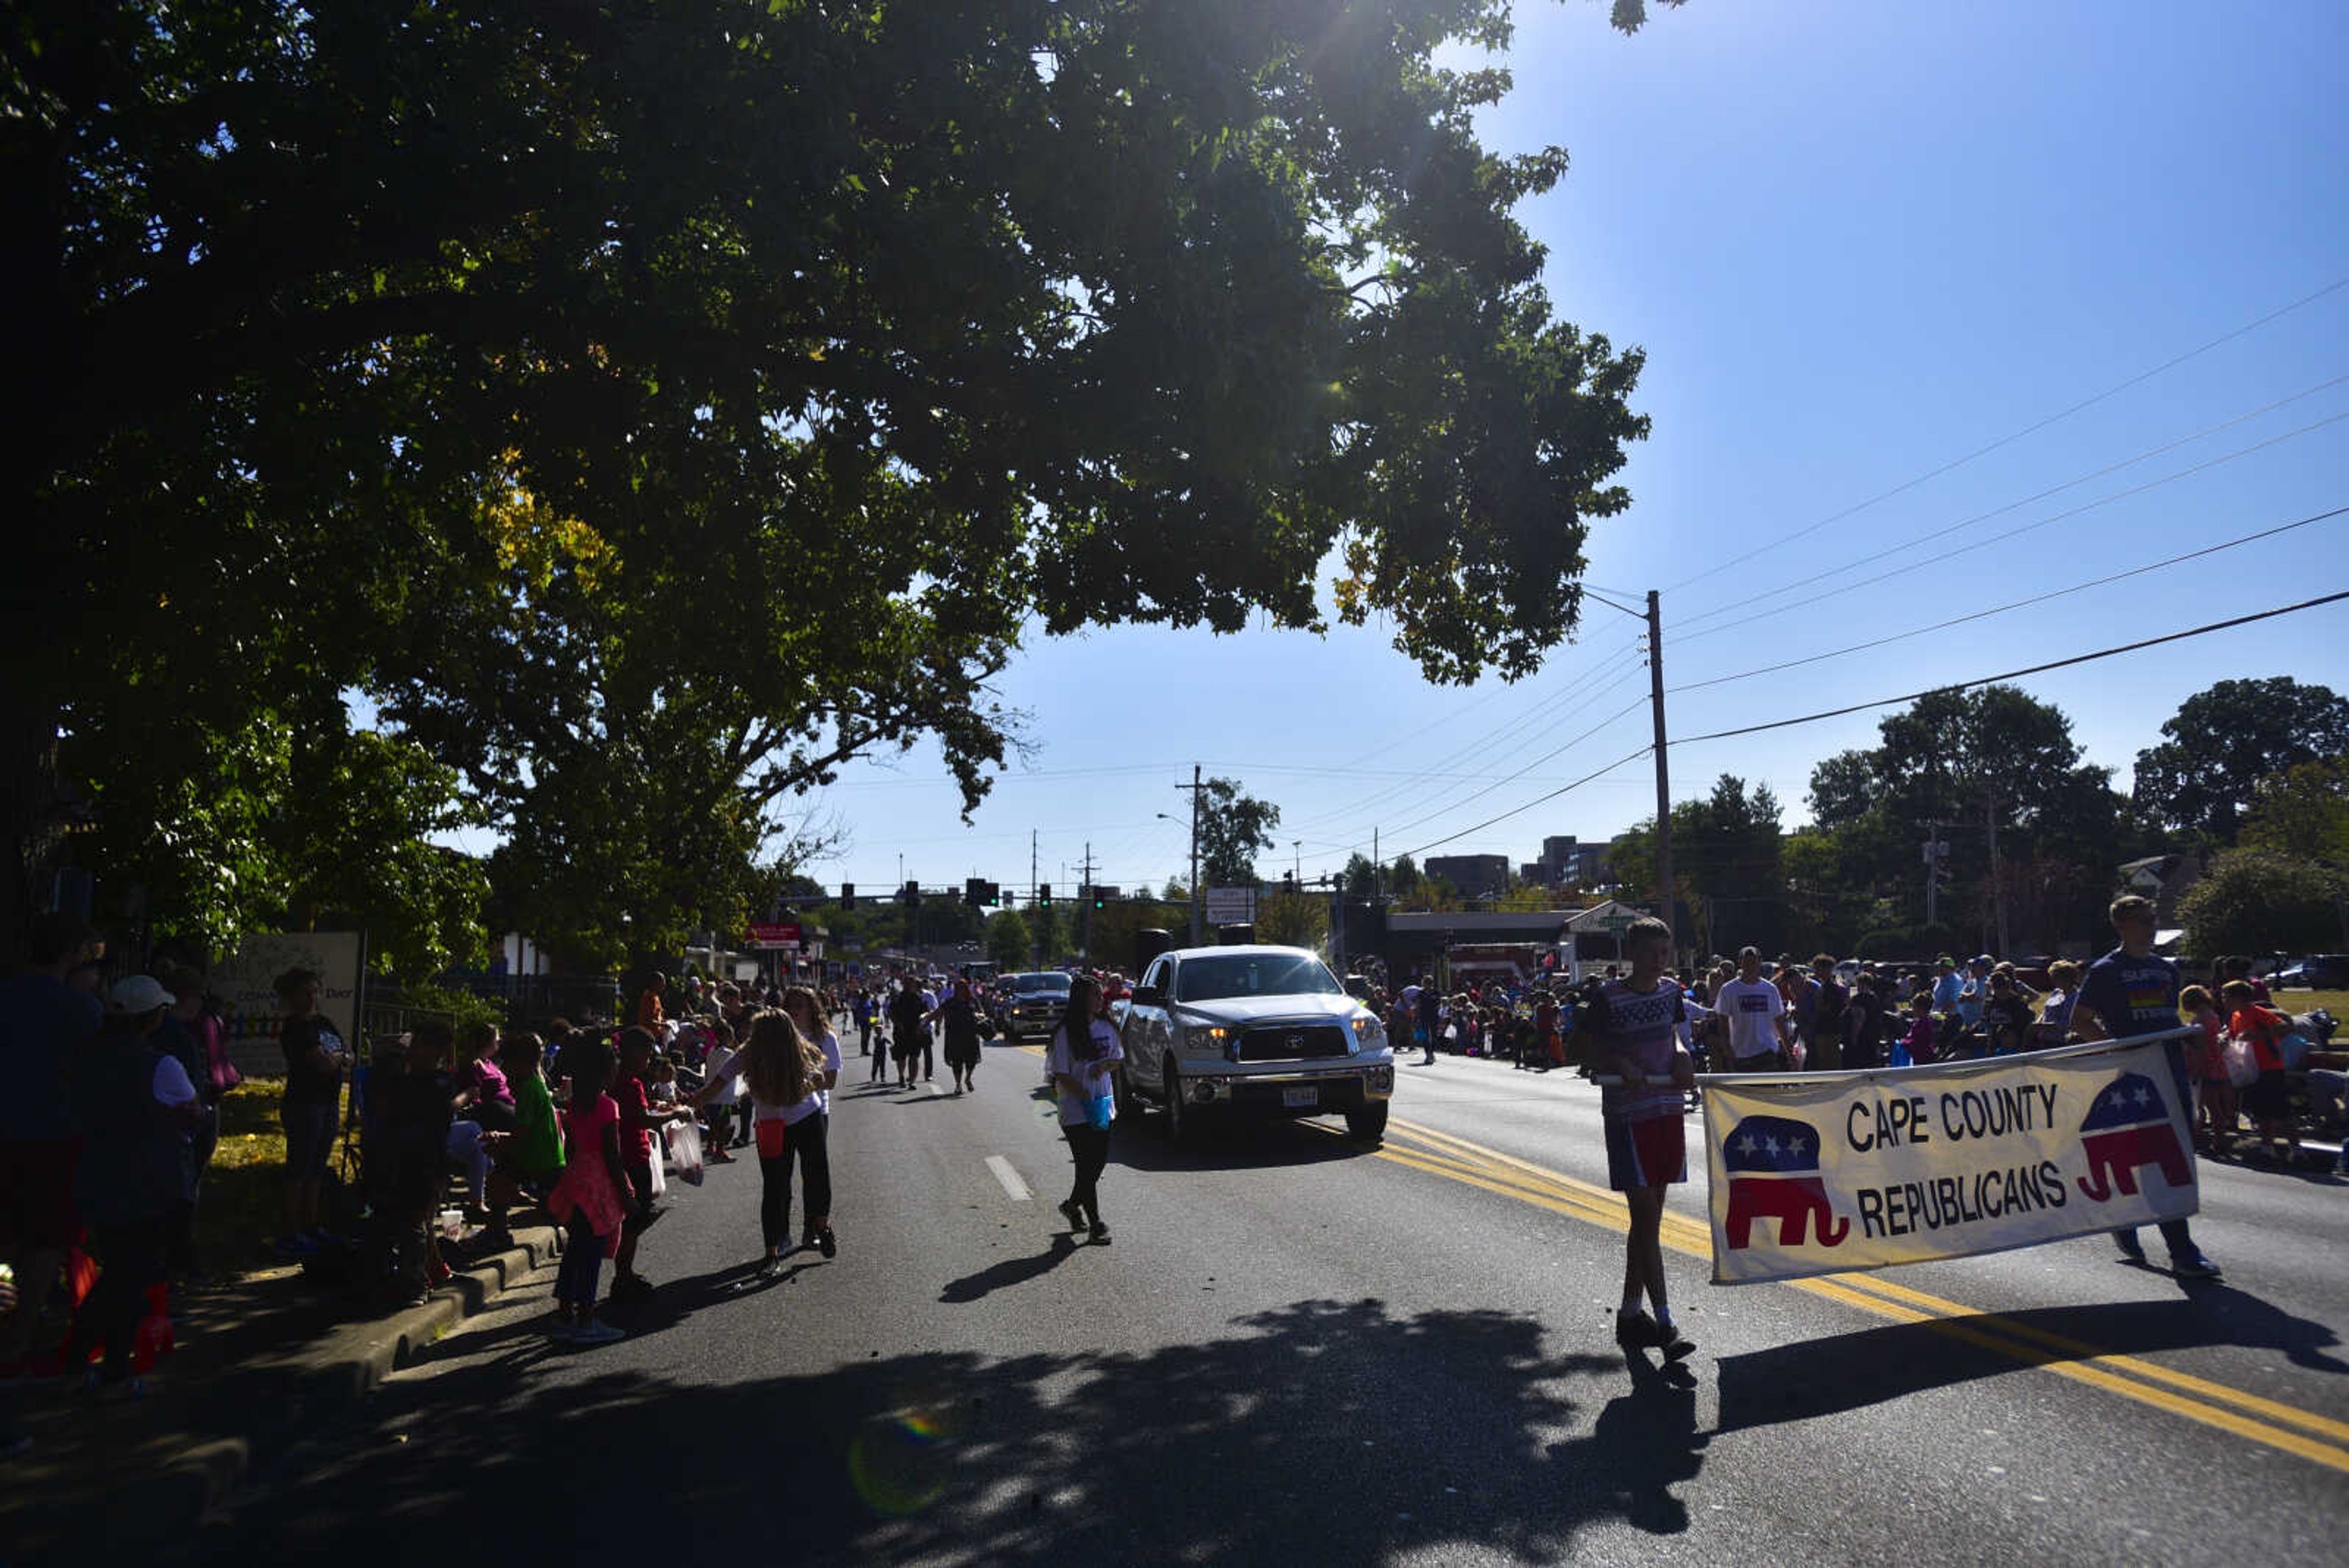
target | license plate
[{"x": 1308, "y": 1096}]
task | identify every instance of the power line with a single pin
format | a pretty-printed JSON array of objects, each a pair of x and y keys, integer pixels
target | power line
[
  {"x": 2017, "y": 674},
  {"x": 1636, "y": 704},
  {"x": 2009, "y": 440},
  {"x": 1810, "y": 580},
  {"x": 1614, "y": 670},
  {"x": 1537, "y": 800},
  {"x": 2018, "y": 604}
]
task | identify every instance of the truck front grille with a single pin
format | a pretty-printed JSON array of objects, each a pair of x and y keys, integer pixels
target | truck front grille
[{"x": 1293, "y": 1043}]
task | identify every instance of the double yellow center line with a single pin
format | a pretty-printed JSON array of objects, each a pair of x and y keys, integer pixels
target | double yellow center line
[{"x": 2267, "y": 1421}]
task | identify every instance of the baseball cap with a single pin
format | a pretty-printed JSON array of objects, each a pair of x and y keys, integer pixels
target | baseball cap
[{"x": 137, "y": 993}]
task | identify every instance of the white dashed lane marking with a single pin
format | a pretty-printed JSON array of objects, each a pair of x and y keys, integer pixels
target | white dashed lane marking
[{"x": 1009, "y": 1177}]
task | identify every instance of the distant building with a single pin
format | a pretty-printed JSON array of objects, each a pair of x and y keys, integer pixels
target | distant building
[
  {"x": 1475, "y": 876},
  {"x": 1567, "y": 860}
]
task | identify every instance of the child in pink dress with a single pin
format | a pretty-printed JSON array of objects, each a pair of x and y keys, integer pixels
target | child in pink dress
[{"x": 592, "y": 1199}]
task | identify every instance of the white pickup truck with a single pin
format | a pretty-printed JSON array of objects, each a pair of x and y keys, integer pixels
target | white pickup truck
[{"x": 1254, "y": 1032}]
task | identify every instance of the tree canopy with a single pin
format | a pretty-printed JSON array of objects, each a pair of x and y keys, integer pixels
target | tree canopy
[
  {"x": 1233, "y": 828},
  {"x": 2223, "y": 740},
  {"x": 674, "y": 401}
]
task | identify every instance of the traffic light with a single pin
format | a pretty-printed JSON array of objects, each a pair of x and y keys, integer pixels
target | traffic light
[
  {"x": 995, "y": 894},
  {"x": 1044, "y": 894},
  {"x": 848, "y": 895},
  {"x": 910, "y": 894},
  {"x": 974, "y": 892},
  {"x": 1096, "y": 892}
]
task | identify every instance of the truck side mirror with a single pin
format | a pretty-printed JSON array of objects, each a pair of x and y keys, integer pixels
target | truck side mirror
[{"x": 1148, "y": 996}]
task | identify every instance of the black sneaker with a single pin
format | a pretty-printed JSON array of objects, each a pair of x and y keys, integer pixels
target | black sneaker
[
  {"x": 1100, "y": 1233},
  {"x": 1676, "y": 1345},
  {"x": 826, "y": 1244},
  {"x": 1635, "y": 1330},
  {"x": 2197, "y": 1267},
  {"x": 1072, "y": 1213},
  {"x": 2132, "y": 1250}
]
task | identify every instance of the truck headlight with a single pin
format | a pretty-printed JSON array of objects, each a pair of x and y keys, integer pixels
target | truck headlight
[{"x": 1206, "y": 1037}]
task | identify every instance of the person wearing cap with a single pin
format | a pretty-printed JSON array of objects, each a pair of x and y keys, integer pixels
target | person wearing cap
[
  {"x": 315, "y": 1061},
  {"x": 44, "y": 1019},
  {"x": 133, "y": 1103}
]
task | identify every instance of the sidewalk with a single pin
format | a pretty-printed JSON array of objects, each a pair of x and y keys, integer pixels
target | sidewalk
[{"x": 260, "y": 1362}]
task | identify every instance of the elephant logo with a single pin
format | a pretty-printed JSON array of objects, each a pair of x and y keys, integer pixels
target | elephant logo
[
  {"x": 2126, "y": 1128},
  {"x": 1773, "y": 1164}
]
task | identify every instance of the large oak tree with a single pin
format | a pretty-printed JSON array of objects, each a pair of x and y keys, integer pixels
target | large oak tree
[{"x": 652, "y": 404}]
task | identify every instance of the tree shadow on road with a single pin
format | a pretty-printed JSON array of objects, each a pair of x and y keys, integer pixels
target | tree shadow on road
[
  {"x": 1829, "y": 1376},
  {"x": 1323, "y": 1431}
]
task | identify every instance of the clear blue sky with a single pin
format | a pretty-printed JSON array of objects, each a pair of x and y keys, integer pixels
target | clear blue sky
[{"x": 1858, "y": 241}]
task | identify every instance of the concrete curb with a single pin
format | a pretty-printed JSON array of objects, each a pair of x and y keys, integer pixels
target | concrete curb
[{"x": 146, "y": 1476}]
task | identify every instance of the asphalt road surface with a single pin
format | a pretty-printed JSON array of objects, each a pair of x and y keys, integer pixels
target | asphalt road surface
[{"x": 1296, "y": 1351}]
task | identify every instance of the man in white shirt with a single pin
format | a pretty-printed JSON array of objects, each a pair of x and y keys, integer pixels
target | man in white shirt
[{"x": 1758, "y": 1025}]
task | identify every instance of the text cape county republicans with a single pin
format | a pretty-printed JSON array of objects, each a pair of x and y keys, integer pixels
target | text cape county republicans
[{"x": 1829, "y": 1172}]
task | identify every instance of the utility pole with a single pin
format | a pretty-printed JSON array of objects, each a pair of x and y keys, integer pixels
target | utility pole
[
  {"x": 1196, "y": 787},
  {"x": 1035, "y": 913},
  {"x": 1085, "y": 909},
  {"x": 1663, "y": 768},
  {"x": 1997, "y": 887},
  {"x": 1375, "y": 868},
  {"x": 1933, "y": 852}
]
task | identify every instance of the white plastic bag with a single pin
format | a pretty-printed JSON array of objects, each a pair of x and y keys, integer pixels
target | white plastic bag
[
  {"x": 2242, "y": 1065},
  {"x": 684, "y": 1141}
]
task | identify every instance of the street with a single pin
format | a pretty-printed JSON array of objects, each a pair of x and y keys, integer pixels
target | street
[{"x": 1296, "y": 1350}]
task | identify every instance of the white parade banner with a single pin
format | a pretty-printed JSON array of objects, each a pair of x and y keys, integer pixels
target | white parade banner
[{"x": 1819, "y": 1173}]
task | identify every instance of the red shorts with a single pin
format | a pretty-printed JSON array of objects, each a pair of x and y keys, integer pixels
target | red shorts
[
  {"x": 1646, "y": 1153},
  {"x": 37, "y": 1193}
]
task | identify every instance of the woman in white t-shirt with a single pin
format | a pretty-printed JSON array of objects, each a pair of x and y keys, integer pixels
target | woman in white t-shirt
[
  {"x": 1085, "y": 1048},
  {"x": 790, "y": 1077}
]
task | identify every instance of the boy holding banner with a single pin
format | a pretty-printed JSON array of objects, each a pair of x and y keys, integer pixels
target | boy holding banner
[
  {"x": 1634, "y": 1026},
  {"x": 2131, "y": 992}
]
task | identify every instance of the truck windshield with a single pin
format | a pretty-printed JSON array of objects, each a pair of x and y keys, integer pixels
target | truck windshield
[
  {"x": 1026, "y": 984},
  {"x": 1252, "y": 974}
]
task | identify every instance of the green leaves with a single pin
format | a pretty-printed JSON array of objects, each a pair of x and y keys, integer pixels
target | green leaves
[{"x": 812, "y": 352}]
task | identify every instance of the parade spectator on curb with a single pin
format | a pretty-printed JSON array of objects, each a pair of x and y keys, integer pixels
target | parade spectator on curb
[
  {"x": 1863, "y": 1027},
  {"x": 1949, "y": 985},
  {"x": 2054, "y": 1026},
  {"x": 1646, "y": 1150},
  {"x": 639, "y": 1127},
  {"x": 534, "y": 1156},
  {"x": 2128, "y": 992},
  {"x": 2206, "y": 1068},
  {"x": 1086, "y": 1049},
  {"x": 2008, "y": 1015},
  {"x": 134, "y": 1104},
  {"x": 418, "y": 1105},
  {"x": 594, "y": 1200},
  {"x": 315, "y": 1060},
  {"x": 190, "y": 1035},
  {"x": 45, "y": 1019},
  {"x": 1758, "y": 1020},
  {"x": 1828, "y": 1008},
  {"x": 1919, "y": 1042},
  {"x": 650, "y": 1012},
  {"x": 2268, "y": 1098},
  {"x": 1974, "y": 994}
]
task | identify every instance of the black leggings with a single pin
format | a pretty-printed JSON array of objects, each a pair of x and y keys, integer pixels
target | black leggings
[
  {"x": 804, "y": 1140},
  {"x": 1090, "y": 1144}
]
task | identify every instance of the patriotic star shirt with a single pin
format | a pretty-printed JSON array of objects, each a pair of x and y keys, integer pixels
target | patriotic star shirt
[{"x": 1643, "y": 1026}]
